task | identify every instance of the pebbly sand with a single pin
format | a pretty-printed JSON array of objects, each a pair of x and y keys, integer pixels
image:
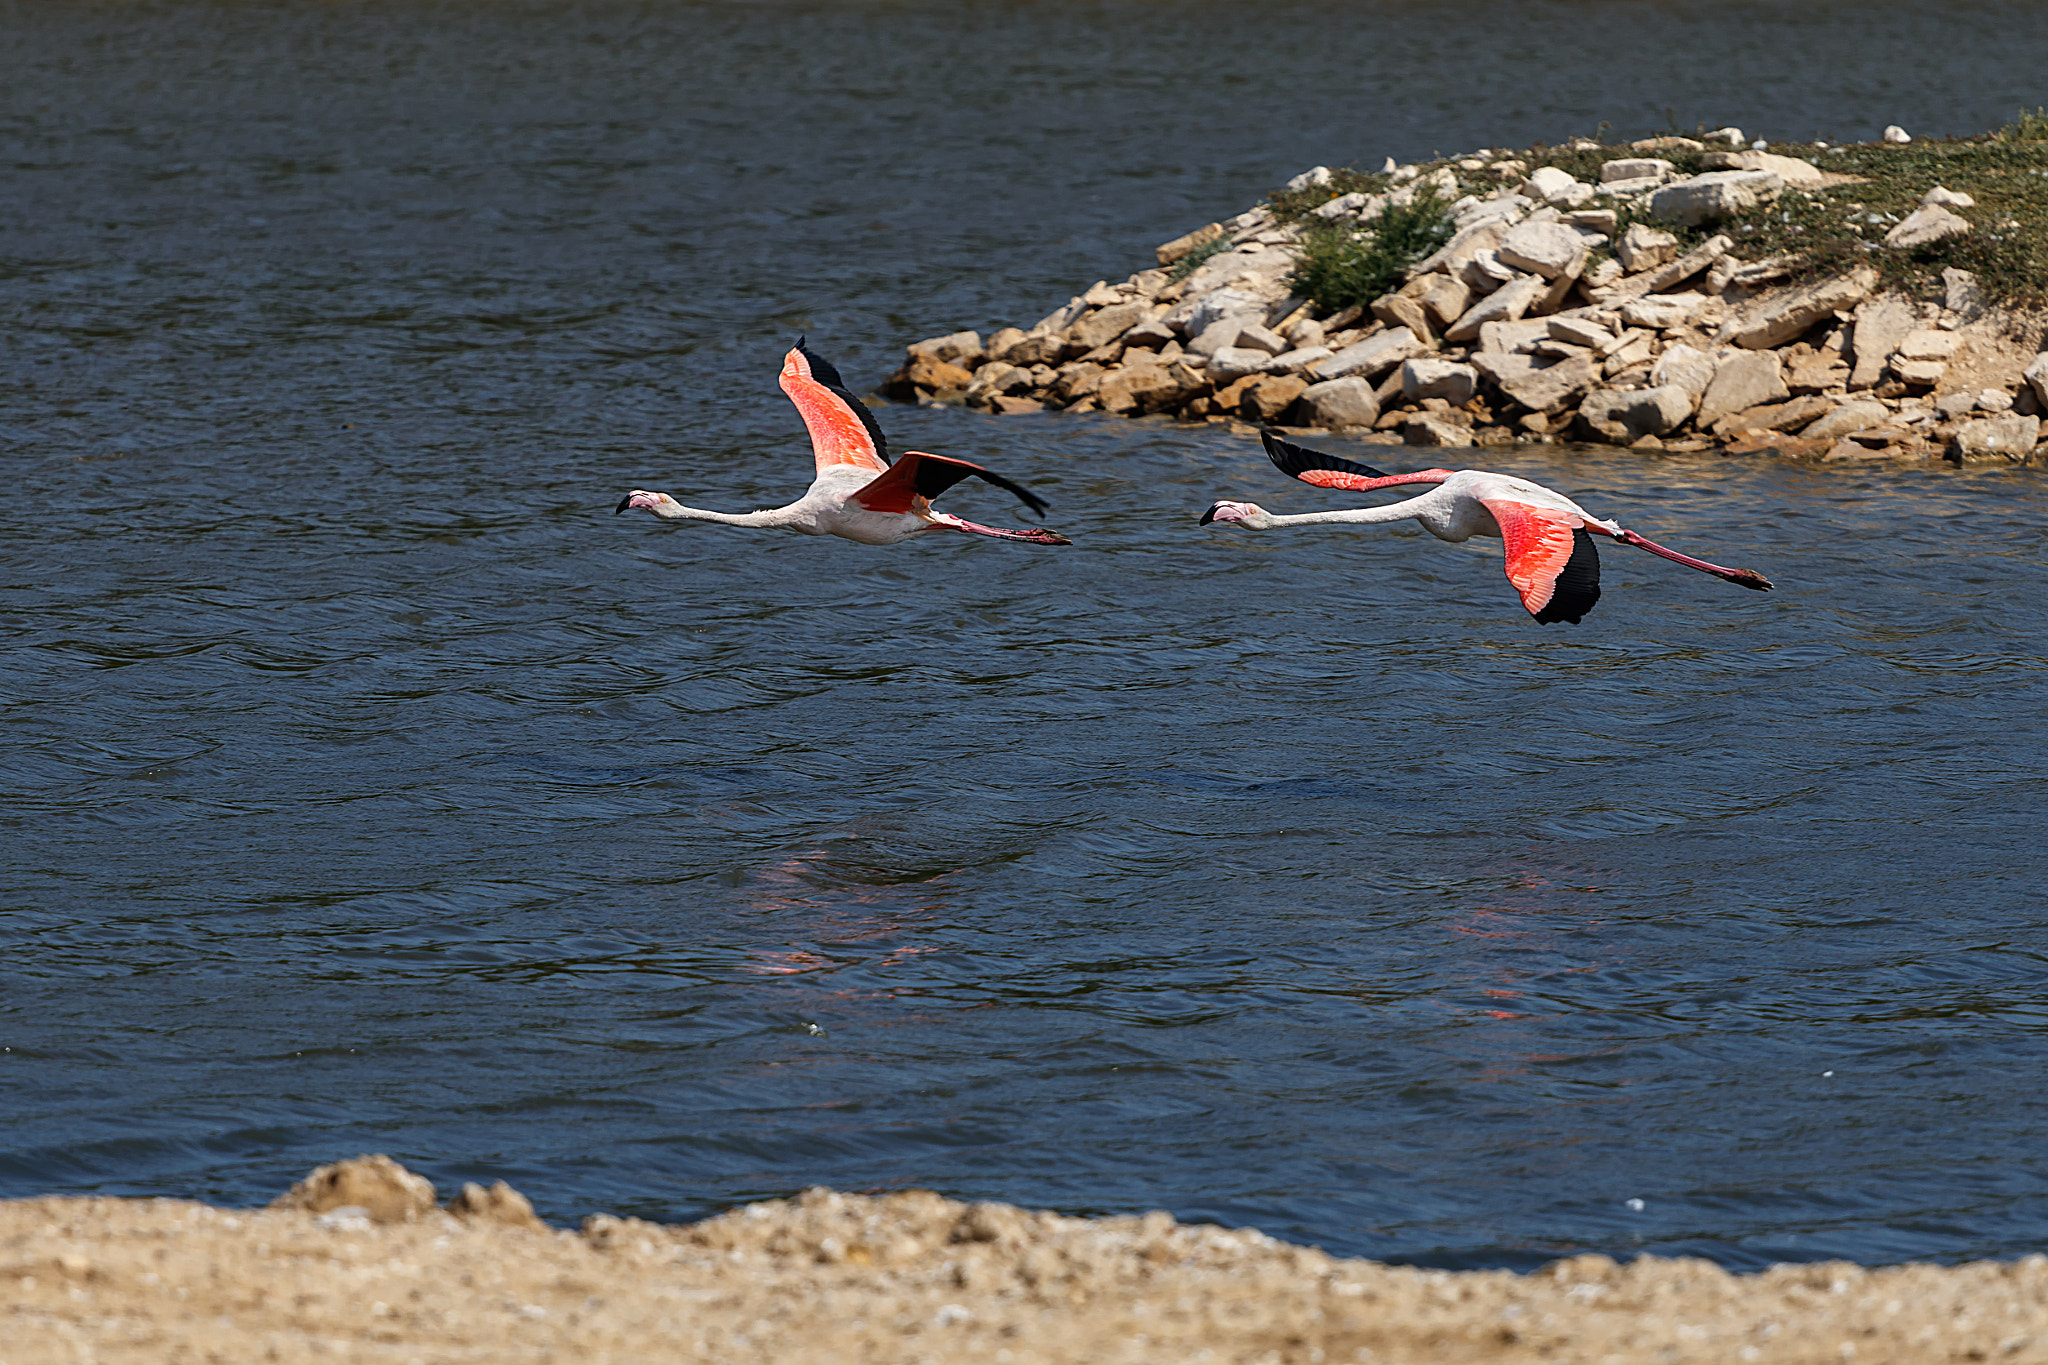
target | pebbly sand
[{"x": 357, "y": 1263}]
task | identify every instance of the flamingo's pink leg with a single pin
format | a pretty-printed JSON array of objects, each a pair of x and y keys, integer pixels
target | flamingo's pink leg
[{"x": 1034, "y": 536}]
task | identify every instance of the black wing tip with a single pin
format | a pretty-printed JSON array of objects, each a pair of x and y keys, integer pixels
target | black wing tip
[
  {"x": 1578, "y": 583},
  {"x": 1294, "y": 460},
  {"x": 822, "y": 370}
]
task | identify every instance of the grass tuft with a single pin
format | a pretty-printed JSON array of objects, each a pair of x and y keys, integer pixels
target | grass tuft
[
  {"x": 1341, "y": 265},
  {"x": 1186, "y": 265}
]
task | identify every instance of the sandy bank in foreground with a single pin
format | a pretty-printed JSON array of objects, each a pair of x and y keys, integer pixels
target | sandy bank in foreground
[{"x": 911, "y": 1278}]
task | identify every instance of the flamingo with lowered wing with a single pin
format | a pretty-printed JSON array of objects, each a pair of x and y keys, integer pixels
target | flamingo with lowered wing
[
  {"x": 1547, "y": 537},
  {"x": 857, "y": 494}
]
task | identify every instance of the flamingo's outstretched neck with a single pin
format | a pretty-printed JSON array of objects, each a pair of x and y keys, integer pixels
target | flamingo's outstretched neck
[
  {"x": 1747, "y": 578},
  {"x": 1034, "y": 536},
  {"x": 668, "y": 509}
]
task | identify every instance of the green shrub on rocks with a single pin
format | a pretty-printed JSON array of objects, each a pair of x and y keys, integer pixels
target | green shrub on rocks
[
  {"x": 1187, "y": 264},
  {"x": 1341, "y": 265}
]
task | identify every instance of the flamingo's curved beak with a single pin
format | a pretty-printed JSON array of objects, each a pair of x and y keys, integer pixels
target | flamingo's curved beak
[
  {"x": 624, "y": 503},
  {"x": 1207, "y": 517}
]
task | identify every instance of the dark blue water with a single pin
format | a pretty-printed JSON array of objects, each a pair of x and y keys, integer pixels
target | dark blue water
[{"x": 370, "y": 787}]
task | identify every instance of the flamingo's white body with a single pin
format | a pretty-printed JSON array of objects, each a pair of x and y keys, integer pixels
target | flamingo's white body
[
  {"x": 1547, "y": 538},
  {"x": 857, "y": 494}
]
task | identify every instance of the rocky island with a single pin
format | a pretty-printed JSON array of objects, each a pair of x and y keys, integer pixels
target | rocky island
[{"x": 1876, "y": 301}]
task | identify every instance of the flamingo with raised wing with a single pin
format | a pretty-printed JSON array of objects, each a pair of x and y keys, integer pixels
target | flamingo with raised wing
[
  {"x": 1547, "y": 537},
  {"x": 857, "y": 494}
]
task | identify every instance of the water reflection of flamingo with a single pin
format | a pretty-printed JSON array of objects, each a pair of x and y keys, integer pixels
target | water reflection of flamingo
[
  {"x": 857, "y": 495},
  {"x": 1547, "y": 537}
]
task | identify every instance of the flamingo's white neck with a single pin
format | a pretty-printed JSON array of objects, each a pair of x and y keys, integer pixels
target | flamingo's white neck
[
  {"x": 668, "y": 509},
  {"x": 675, "y": 511},
  {"x": 1257, "y": 518}
]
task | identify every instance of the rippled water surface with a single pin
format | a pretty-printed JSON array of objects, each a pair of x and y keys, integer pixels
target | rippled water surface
[{"x": 370, "y": 787}]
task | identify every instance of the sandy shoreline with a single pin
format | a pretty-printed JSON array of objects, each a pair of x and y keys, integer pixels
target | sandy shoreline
[{"x": 909, "y": 1277}]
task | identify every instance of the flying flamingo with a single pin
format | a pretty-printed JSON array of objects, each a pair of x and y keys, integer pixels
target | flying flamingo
[
  {"x": 858, "y": 494},
  {"x": 1548, "y": 537}
]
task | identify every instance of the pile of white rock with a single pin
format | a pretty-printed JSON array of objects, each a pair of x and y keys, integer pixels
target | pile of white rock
[{"x": 1511, "y": 331}]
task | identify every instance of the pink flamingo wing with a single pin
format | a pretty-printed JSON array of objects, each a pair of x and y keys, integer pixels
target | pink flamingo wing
[
  {"x": 842, "y": 430},
  {"x": 1550, "y": 558}
]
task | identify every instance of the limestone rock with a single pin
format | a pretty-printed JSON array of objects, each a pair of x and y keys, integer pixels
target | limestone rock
[
  {"x": 1947, "y": 198},
  {"x": 1506, "y": 304},
  {"x": 1919, "y": 373},
  {"x": 1400, "y": 310},
  {"x": 1961, "y": 293},
  {"x": 1290, "y": 362},
  {"x": 2036, "y": 375},
  {"x": 1486, "y": 271},
  {"x": 1147, "y": 387},
  {"x": 2009, "y": 438},
  {"x": 1427, "y": 429},
  {"x": 1545, "y": 249},
  {"x": 1218, "y": 335},
  {"x": 1214, "y": 306},
  {"x": 1445, "y": 300},
  {"x": 1077, "y": 380},
  {"x": 1779, "y": 318},
  {"x": 1033, "y": 348},
  {"x": 1661, "y": 279},
  {"x": 1256, "y": 337},
  {"x": 1625, "y": 416},
  {"x": 930, "y": 373},
  {"x": 1003, "y": 339},
  {"x": 1661, "y": 311},
  {"x": 499, "y": 1204},
  {"x": 1787, "y": 416},
  {"x": 1927, "y": 343},
  {"x": 1105, "y": 324},
  {"x": 1336, "y": 403},
  {"x": 1314, "y": 175},
  {"x": 383, "y": 1189},
  {"x": 1549, "y": 389},
  {"x": 1511, "y": 336},
  {"x": 1800, "y": 175},
  {"x": 1743, "y": 380},
  {"x": 1235, "y": 362},
  {"x": 1307, "y": 332},
  {"x": 1169, "y": 252},
  {"x": 1150, "y": 336},
  {"x": 995, "y": 379},
  {"x": 1716, "y": 194},
  {"x": 956, "y": 348},
  {"x": 1579, "y": 332},
  {"x": 1445, "y": 379},
  {"x": 1894, "y": 133},
  {"x": 1643, "y": 247},
  {"x": 1881, "y": 324},
  {"x": 1060, "y": 319},
  {"x": 1858, "y": 414},
  {"x": 1374, "y": 355},
  {"x": 1272, "y": 395},
  {"x": 1925, "y": 226},
  {"x": 1635, "y": 168}
]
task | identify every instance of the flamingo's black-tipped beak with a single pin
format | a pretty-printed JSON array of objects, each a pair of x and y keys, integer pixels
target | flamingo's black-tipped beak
[
  {"x": 624, "y": 503},
  {"x": 1207, "y": 517}
]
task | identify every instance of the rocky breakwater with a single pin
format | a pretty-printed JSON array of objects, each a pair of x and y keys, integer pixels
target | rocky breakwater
[{"x": 1672, "y": 293}]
